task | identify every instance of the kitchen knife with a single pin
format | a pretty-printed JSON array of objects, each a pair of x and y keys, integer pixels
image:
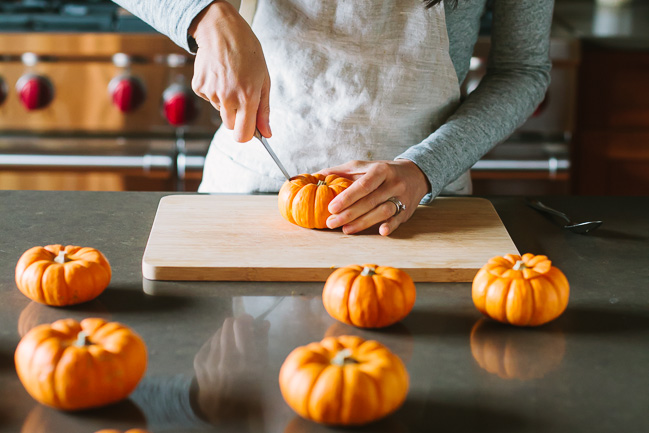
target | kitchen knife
[{"x": 272, "y": 154}]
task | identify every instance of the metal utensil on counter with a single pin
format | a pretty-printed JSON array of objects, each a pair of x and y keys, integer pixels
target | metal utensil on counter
[
  {"x": 583, "y": 227},
  {"x": 272, "y": 154}
]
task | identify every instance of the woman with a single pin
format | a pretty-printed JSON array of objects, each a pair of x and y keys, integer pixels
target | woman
[{"x": 368, "y": 88}]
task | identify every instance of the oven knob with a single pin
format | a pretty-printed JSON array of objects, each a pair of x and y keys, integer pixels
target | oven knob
[
  {"x": 179, "y": 105},
  {"x": 127, "y": 93},
  {"x": 3, "y": 91},
  {"x": 35, "y": 91}
]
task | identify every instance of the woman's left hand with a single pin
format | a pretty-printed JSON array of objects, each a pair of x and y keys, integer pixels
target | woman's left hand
[{"x": 365, "y": 203}]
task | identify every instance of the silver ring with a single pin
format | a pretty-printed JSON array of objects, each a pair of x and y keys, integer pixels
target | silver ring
[{"x": 400, "y": 206}]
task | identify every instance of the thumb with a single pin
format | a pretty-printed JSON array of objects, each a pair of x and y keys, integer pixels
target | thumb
[{"x": 263, "y": 112}]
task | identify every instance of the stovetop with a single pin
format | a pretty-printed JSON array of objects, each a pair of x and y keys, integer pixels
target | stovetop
[{"x": 67, "y": 16}]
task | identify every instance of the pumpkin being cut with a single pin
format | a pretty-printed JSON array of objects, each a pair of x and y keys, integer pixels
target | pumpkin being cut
[
  {"x": 343, "y": 381},
  {"x": 369, "y": 296},
  {"x": 521, "y": 291},
  {"x": 62, "y": 275},
  {"x": 304, "y": 200},
  {"x": 74, "y": 365}
]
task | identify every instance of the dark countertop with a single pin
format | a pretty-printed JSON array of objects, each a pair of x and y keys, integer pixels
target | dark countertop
[
  {"x": 623, "y": 27},
  {"x": 210, "y": 368}
]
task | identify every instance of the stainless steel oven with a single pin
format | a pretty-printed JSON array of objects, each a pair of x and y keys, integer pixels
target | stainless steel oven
[{"x": 89, "y": 92}]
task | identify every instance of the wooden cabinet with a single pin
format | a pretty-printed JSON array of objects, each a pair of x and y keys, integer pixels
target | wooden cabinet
[{"x": 611, "y": 143}]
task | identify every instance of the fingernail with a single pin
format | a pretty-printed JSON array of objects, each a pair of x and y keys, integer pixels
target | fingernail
[
  {"x": 334, "y": 207},
  {"x": 331, "y": 222}
]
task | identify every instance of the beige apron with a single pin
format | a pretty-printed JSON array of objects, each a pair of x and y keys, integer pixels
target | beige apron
[{"x": 350, "y": 80}]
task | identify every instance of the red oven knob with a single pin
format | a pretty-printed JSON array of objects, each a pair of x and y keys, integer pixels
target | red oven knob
[
  {"x": 179, "y": 105},
  {"x": 35, "y": 91},
  {"x": 126, "y": 92}
]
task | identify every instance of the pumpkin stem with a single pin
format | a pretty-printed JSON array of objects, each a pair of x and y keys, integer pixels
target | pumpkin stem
[
  {"x": 519, "y": 266},
  {"x": 61, "y": 258},
  {"x": 343, "y": 357},
  {"x": 368, "y": 271},
  {"x": 321, "y": 182},
  {"x": 82, "y": 340}
]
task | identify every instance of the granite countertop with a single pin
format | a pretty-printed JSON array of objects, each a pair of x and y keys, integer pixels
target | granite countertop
[
  {"x": 212, "y": 368},
  {"x": 625, "y": 26}
]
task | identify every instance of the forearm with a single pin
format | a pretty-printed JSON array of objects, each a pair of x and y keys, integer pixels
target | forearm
[
  {"x": 172, "y": 18},
  {"x": 515, "y": 83},
  {"x": 502, "y": 102}
]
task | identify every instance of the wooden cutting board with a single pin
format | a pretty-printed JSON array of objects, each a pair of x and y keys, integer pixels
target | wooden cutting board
[{"x": 244, "y": 238}]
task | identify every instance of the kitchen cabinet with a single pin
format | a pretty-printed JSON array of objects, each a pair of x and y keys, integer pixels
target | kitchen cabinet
[{"x": 611, "y": 143}]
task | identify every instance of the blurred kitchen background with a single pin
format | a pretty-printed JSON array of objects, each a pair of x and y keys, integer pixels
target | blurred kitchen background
[{"x": 91, "y": 98}]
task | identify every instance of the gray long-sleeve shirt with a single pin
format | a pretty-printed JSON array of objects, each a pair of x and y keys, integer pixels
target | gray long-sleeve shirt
[{"x": 517, "y": 77}]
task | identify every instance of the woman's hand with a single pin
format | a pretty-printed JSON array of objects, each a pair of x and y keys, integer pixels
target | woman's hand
[
  {"x": 228, "y": 367},
  {"x": 230, "y": 70},
  {"x": 365, "y": 203}
]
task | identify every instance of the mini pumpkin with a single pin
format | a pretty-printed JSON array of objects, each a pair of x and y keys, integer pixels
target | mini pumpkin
[
  {"x": 369, "y": 296},
  {"x": 399, "y": 340},
  {"x": 58, "y": 275},
  {"x": 515, "y": 353},
  {"x": 521, "y": 291},
  {"x": 343, "y": 381},
  {"x": 74, "y": 365},
  {"x": 304, "y": 200}
]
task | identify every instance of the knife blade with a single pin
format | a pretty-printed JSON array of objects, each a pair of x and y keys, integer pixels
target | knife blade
[{"x": 272, "y": 154}]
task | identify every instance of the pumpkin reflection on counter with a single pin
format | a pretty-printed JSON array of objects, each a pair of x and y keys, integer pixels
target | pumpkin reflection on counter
[
  {"x": 133, "y": 430},
  {"x": 397, "y": 338},
  {"x": 35, "y": 314},
  {"x": 517, "y": 353},
  {"x": 120, "y": 416},
  {"x": 387, "y": 425}
]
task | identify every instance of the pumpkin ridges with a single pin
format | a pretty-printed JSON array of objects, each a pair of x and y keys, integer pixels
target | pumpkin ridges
[
  {"x": 325, "y": 409},
  {"x": 341, "y": 279},
  {"x": 360, "y": 294},
  {"x": 323, "y": 197},
  {"x": 495, "y": 299}
]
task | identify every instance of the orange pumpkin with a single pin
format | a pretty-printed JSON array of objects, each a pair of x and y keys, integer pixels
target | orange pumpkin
[
  {"x": 343, "y": 381},
  {"x": 522, "y": 291},
  {"x": 398, "y": 338},
  {"x": 71, "y": 365},
  {"x": 304, "y": 200},
  {"x": 514, "y": 353},
  {"x": 58, "y": 275},
  {"x": 369, "y": 296}
]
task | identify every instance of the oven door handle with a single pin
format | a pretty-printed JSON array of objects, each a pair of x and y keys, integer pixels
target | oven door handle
[
  {"x": 146, "y": 163},
  {"x": 552, "y": 165}
]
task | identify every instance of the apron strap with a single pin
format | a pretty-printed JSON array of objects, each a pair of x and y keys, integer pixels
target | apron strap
[{"x": 247, "y": 10}]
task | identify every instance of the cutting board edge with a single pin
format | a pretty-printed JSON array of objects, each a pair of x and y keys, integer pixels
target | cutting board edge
[{"x": 180, "y": 273}]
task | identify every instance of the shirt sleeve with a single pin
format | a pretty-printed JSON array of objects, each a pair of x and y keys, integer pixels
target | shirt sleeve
[
  {"x": 518, "y": 74},
  {"x": 170, "y": 17}
]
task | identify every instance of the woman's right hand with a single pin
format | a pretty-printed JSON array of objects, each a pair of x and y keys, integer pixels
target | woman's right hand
[{"x": 230, "y": 70}]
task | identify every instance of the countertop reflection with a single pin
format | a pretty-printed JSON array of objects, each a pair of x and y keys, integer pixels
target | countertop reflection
[{"x": 215, "y": 348}]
